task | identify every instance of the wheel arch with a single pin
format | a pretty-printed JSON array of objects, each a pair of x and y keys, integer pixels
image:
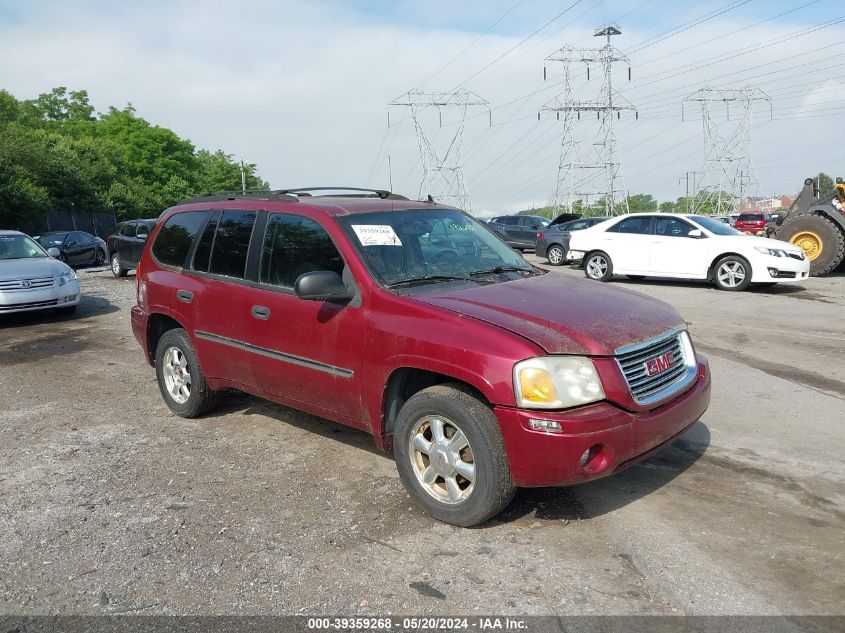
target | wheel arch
[
  {"x": 711, "y": 269},
  {"x": 404, "y": 382},
  {"x": 157, "y": 324}
]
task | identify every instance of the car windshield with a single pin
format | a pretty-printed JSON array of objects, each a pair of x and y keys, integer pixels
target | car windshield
[
  {"x": 404, "y": 249},
  {"x": 52, "y": 239},
  {"x": 714, "y": 226},
  {"x": 19, "y": 247}
]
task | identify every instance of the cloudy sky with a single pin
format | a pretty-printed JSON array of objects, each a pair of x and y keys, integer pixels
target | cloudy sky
[{"x": 301, "y": 88}]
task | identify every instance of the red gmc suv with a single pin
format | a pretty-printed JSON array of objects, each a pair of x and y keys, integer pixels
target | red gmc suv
[
  {"x": 414, "y": 322},
  {"x": 754, "y": 223}
]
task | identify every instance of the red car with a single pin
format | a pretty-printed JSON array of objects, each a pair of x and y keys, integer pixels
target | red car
[
  {"x": 414, "y": 322},
  {"x": 754, "y": 223}
]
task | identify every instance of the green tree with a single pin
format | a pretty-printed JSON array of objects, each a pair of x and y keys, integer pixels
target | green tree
[{"x": 641, "y": 202}]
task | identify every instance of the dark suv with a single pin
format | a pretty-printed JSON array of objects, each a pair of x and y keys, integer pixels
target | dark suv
[
  {"x": 126, "y": 243},
  {"x": 413, "y": 322},
  {"x": 518, "y": 231}
]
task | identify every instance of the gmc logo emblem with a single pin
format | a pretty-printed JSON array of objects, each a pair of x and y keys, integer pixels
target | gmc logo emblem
[{"x": 660, "y": 363}]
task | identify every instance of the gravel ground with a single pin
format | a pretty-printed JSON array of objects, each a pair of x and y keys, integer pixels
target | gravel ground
[{"x": 110, "y": 504}]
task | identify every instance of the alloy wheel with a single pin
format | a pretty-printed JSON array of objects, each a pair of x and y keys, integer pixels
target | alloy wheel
[
  {"x": 731, "y": 274},
  {"x": 597, "y": 267},
  {"x": 442, "y": 459},
  {"x": 177, "y": 377}
]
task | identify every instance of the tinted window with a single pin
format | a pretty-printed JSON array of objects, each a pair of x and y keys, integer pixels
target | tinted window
[
  {"x": 639, "y": 226},
  {"x": 128, "y": 229},
  {"x": 671, "y": 227},
  {"x": 231, "y": 243},
  {"x": 577, "y": 225},
  {"x": 294, "y": 245},
  {"x": 174, "y": 239},
  {"x": 750, "y": 217},
  {"x": 202, "y": 254}
]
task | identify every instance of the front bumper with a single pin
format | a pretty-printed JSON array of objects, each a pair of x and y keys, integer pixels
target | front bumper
[
  {"x": 40, "y": 299},
  {"x": 770, "y": 269},
  {"x": 619, "y": 438}
]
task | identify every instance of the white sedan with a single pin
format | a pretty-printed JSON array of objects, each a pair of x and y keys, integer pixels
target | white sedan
[
  {"x": 31, "y": 279},
  {"x": 685, "y": 247}
]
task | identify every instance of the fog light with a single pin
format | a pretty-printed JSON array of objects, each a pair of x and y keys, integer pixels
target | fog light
[
  {"x": 595, "y": 459},
  {"x": 773, "y": 272},
  {"x": 549, "y": 426}
]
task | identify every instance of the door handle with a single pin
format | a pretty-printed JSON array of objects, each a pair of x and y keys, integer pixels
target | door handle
[
  {"x": 185, "y": 296},
  {"x": 260, "y": 312}
]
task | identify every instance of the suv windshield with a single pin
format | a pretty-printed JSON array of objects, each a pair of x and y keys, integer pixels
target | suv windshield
[
  {"x": 714, "y": 226},
  {"x": 19, "y": 247},
  {"x": 429, "y": 246}
]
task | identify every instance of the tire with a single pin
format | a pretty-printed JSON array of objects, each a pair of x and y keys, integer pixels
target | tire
[
  {"x": 117, "y": 268},
  {"x": 555, "y": 255},
  {"x": 66, "y": 311},
  {"x": 822, "y": 240},
  {"x": 732, "y": 273},
  {"x": 635, "y": 277},
  {"x": 598, "y": 266},
  {"x": 99, "y": 257},
  {"x": 466, "y": 501},
  {"x": 180, "y": 378}
]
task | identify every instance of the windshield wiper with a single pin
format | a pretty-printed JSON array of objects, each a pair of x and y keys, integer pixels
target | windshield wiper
[
  {"x": 428, "y": 279},
  {"x": 501, "y": 269}
]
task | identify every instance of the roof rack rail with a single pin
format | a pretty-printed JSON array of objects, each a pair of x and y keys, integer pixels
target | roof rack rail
[
  {"x": 366, "y": 193},
  {"x": 259, "y": 194}
]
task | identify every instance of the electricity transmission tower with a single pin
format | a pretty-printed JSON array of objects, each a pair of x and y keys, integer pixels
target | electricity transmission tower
[
  {"x": 580, "y": 164},
  {"x": 443, "y": 177},
  {"x": 728, "y": 174}
]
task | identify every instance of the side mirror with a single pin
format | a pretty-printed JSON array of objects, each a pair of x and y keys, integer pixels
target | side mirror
[
  {"x": 695, "y": 233},
  {"x": 54, "y": 252},
  {"x": 142, "y": 236},
  {"x": 321, "y": 285}
]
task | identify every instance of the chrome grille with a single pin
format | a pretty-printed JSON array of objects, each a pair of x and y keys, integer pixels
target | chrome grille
[
  {"x": 658, "y": 368},
  {"x": 33, "y": 283}
]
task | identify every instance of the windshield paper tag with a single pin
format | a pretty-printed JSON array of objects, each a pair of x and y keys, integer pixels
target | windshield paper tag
[{"x": 376, "y": 235}]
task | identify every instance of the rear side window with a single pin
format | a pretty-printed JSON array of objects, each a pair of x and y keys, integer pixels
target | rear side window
[
  {"x": 174, "y": 239},
  {"x": 294, "y": 245},
  {"x": 511, "y": 221},
  {"x": 202, "y": 254},
  {"x": 231, "y": 243},
  {"x": 639, "y": 226}
]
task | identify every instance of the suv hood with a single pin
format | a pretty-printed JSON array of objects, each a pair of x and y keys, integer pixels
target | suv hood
[
  {"x": 30, "y": 267},
  {"x": 564, "y": 315}
]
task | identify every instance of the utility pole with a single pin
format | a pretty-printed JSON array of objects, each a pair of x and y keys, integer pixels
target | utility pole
[
  {"x": 443, "y": 177},
  {"x": 243, "y": 175},
  {"x": 686, "y": 178},
  {"x": 608, "y": 106},
  {"x": 727, "y": 152}
]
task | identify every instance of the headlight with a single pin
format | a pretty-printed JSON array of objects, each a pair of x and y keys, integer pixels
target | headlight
[
  {"x": 66, "y": 277},
  {"x": 556, "y": 382},
  {"x": 774, "y": 252}
]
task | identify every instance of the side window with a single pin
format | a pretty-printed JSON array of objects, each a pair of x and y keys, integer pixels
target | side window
[
  {"x": 578, "y": 225},
  {"x": 639, "y": 226},
  {"x": 231, "y": 243},
  {"x": 128, "y": 229},
  {"x": 511, "y": 221},
  {"x": 202, "y": 254},
  {"x": 671, "y": 227},
  {"x": 294, "y": 245},
  {"x": 174, "y": 239}
]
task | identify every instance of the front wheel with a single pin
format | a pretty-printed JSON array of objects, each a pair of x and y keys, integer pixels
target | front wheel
[
  {"x": 180, "y": 379},
  {"x": 555, "y": 255},
  {"x": 117, "y": 268},
  {"x": 99, "y": 258},
  {"x": 732, "y": 273},
  {"x": 451, "y": 457},
  {"x": 598, "y": 266}
]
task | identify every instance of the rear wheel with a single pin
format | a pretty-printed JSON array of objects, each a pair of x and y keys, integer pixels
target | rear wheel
[
  {"x": 117, "y": 268},
  {"x": 99, "y": 258},
  {"x": 822, "y": 241},
  {"x": 555, "y": 255},
  {"x": 732, "y": 273},
  {"x": 180, "y": 378},
  {"x": 451, "y": 457},
  {"x": 598, "y": 266}
]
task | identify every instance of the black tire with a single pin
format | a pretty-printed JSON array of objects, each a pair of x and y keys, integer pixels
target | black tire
[
  {"x": 598, "y": 266},
  {"x": 635, "y": 277},
  {"x": 490, "y": 491},
  {"x": 832, "y": 241},
  {"x": 117, "y": 268},
  {"x": 733, "y": 264},
  {"x": 66, "y": 311},
  {"x": 555, "y": 255},
  {"x": 99, "y": 257},
  {"x": 201, "y": 398}
]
